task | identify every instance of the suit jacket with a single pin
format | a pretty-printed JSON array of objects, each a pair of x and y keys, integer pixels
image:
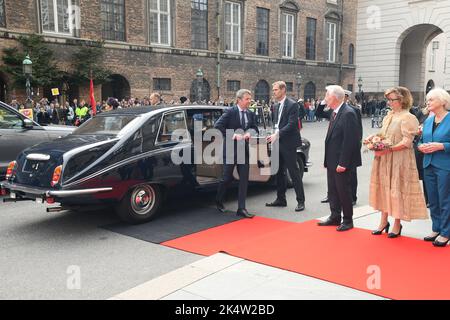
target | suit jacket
[
  {"x": 342, "y": 144},
  {"x": 289, "y": 133},
  {"x": 231, "y": 119},
  {"x": 440, "y": 159}
]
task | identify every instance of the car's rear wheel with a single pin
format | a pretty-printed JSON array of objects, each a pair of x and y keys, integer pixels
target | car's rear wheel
[{"x": 140, "y": 204}]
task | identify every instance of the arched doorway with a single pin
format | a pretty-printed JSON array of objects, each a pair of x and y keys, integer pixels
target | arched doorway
[
  {"x": 200, "y": 91},
  {"x": 117, "y": 87},
  {"x": 414, "y": 43},
  {"x": 310, "y": 91},
  {"x": 430, "y": 86},
  {"x": 3, "y": 88},
  {"x": 262, "y": 91}
]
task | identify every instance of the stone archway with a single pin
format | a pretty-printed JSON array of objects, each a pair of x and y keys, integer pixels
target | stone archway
[
  {"x": 117, "y": 86},
  {"x": 413, "y": 46},
  {"x": 3, "y": 88}
]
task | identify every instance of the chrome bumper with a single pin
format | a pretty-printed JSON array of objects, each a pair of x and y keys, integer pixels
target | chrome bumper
[{"x": 44, "y": 192}]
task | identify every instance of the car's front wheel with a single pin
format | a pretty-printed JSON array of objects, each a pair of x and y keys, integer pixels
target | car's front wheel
[{"x": 140, "y": 204}]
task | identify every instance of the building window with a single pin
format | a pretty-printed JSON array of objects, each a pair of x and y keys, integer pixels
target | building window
[
  {"x": 262, "y": 91},
  {"x": 287, "y": 35},
  {"x": 331, "y": 41},
  {"x": 310, "y": 91},
  {"x": 351, "y": 54},
  {"x": 162, "y": 84},
  {"x": 2, "y": 14},
  {"x": 199, "y": 24},
  {"x": 311, "y": 38},
  {"x": 233, "y": 27},
  {"x": 350, "y": 88},
  {"x": 113, "y": 19},
  {"x": 57, "y": 16},
  {"x": 434, "y": 49},
  {"x": 160, "y": 26},
  {"x": 289, "y": 87},
  {"x": 233, "y": 85},
  {"x": 262, "y": 32}
]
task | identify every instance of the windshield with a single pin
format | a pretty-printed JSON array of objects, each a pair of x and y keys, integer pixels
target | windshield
[{"x": 110, "y": 125}]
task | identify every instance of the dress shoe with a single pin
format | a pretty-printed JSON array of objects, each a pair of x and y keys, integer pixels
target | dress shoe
[
  {"x": 220, "y": 206},
  {"x": 300, "y": 207},
  {"x": 244, "y": 213},
  {"x": 395, "y": 235},
  {"x": 380, "y": 232},
  {"x": 440, "y": 244},
  {"x": 430, "y": 238},
  {"x": 277, "y": 203},
  {"x": 329, "y": 223},
  {"x": 324, "y": 200},
  {"x": 345, "y": 227}
]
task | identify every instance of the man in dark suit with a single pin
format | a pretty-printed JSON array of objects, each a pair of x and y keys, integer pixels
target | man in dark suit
[
  {"x": 238, "y": 118},
  {"x": 354, "y": 171},
  {"x": 342, "y": 155},
  {"x": 288, "y": 134}
]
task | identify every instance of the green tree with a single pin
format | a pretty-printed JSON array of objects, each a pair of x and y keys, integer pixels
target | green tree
[
  {"x": 45, "y": 70},
  {"x": 87, "y": 59}
]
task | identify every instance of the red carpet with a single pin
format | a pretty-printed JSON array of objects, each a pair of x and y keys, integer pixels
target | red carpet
[{"x": 408, "y": 268}]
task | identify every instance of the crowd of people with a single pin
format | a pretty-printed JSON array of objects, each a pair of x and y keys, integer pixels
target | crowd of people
[{"x": 420, "y": 150}]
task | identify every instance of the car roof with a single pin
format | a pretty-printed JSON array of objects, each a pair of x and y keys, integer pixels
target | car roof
[{"x": 155, "y": 109}]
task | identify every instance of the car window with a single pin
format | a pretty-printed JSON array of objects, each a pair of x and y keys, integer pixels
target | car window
[
  {"x": 203, "y": 118},
  {"x": 173, "y": 122},
  {"x": 9, "y": 120},
  {"x": 110, "y": 125}
]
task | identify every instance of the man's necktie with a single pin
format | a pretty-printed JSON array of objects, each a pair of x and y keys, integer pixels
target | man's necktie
[
  {"x": 243, "y": 120},
  {"x": 333, "y": 118}
]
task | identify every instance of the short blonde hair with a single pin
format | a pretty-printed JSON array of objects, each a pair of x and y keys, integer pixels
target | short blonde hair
[
  {"x": 441, "y": 95},
  {"x": 404, "y": 94},
  {"x": 280, "y": 84}
]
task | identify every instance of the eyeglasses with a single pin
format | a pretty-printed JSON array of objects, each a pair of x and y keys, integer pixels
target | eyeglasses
[{"x": 393, "y": 100}]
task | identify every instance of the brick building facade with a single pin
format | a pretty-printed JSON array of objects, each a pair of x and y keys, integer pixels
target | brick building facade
[{"x": 159, "y": 45}]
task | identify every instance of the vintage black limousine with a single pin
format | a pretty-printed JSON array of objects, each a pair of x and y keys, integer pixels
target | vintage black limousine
[{"x": 123, "y": 158}]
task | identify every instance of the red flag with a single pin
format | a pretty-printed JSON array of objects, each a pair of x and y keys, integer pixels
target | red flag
[{"x": 91, "y": 94}]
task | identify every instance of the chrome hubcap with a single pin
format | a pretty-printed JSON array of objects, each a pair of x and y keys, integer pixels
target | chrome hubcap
[{"x": 143, "y": 199}]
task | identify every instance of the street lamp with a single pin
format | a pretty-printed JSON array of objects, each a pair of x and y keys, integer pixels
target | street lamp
[
  {"x": 28, "y": 71},
  {"x": 199, "y": 76},
  {"x": 360, "y": 84},
  {"x": 299, "y": 84}
]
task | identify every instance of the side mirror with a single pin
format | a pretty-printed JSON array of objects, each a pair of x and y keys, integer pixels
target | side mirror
[{"x": 28, "y": 124}]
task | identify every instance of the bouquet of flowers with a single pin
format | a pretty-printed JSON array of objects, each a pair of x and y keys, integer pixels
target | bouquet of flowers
[{"x": 377, "y": 142}]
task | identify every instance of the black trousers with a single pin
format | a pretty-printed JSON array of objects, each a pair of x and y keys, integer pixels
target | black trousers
[
  {"x": 340, "y": 195},
  {"x": 354, "y": 181},
  {"x": 288, "y": 161},
  {"x": 227, "y": 179}
]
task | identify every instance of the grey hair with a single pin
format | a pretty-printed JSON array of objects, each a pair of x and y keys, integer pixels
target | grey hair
[
  {"x": 241, "y": 93},
  {"x": 441, "y": 95},
  {"x": 336, "y": 91}
]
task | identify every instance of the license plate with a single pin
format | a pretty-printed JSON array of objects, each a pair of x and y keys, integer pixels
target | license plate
[
  {"x": 12, "y": 195},
  {"x": 39, "y": 200}
]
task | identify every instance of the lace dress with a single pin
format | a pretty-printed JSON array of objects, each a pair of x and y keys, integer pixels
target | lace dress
[{"x": 394, "y": 182}]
